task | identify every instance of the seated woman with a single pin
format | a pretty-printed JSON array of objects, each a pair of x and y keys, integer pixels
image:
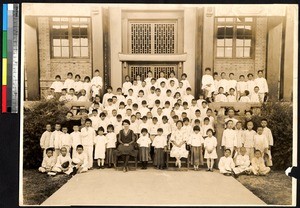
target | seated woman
[
  {"x": 126, "y": 140},
  {"x": 179, "y": 144}
]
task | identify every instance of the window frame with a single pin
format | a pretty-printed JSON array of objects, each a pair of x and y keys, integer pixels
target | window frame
[
  {"x": 234, "y": 24},
  {"x": 70, "y": 37},
  {"x": 152, "y": 35}
]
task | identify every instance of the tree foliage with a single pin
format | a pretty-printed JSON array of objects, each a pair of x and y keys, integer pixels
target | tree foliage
[{"x": 35, "y": 120}]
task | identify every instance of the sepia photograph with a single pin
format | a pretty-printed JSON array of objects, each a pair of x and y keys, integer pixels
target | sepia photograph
[{"x": 158, "y": 105}]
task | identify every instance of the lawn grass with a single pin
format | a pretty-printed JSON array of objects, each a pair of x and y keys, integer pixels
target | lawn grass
[
  {"x": 273, "y": 189},
  {"x": 37, "y": 187}
]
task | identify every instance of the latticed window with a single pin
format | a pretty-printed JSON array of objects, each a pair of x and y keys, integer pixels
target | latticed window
[
  {"x": 234, "y": 37},
  {"x": 153, "y": 38},
  {"x": 143, "y": 69},
  {"x": 70, "y": 37}
]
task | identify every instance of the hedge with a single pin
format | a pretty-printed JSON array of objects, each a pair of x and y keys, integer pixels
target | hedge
[{"x": 35, "y": 120}]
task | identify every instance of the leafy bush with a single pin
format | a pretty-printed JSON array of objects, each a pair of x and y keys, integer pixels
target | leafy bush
[
  {"x": 35, "y": 120},
  {"x": 280, "y": 120}
]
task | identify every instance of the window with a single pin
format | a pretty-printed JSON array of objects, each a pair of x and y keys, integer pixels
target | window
[
  {"x": 234, "y": 37},
  {"x": 153, "y": 37},
  {"x": 70, "y": 37}
]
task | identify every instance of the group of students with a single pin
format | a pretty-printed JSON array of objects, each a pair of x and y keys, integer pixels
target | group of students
[
  {"x": 163, "y": 114},
  {"x": 220, "y": 89}
]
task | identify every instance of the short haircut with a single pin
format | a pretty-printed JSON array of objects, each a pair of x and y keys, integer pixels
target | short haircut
[
  {"x": 179, "y": 121},
  {"x": 242, "y": 76},
  {"x": 144, "y": 102},
  {"x": 71, "y": 89},
  {"x": 260, "y": 71},
  {"x": 209, "y": 130},
  {"x": 197, "y": 121},
  {"x": 49, "y": 149},
  {"x": 110, "y": 126},
  {"x": 196, "y": 128},
  {"x": 109, "y": 87},
  {"x": 227, "y": 150},
  {"x": 87, "y": 78},
  {"x": 57, "y": 76},
  {"x": 144, "y": 130},
  {"x": 207, "y": 69},
  {"x": 77, "y": 75},
  {"x": 88, "y": 120},
  {"x": 126, "y": 121},
  {"x": 231, "y": 74},
  {"x": 79, "y": 146},
  {"x": 97, "y": 70},
  {"x": 247, "y": 92},
  {"x": 70, "y": 73},
  {"x": 231, "y": 89},
  {"x": 157, "y": 101},
  {"x": 264, "y": 119},
  {"x": 160, "y": 130},
  {"x": 164, "y": 117},
  {"x": 184, "y": 75},
  {"x": 102, "y": 114},
  {"x": 100, "y": 129},
  {"x": 188, "y": 89},
  {"x": 206, "y": 119},
  {"x": 257, "y": 151},
  {"x": 250, "y": 74},
  {"x": 186, "y": 119}
]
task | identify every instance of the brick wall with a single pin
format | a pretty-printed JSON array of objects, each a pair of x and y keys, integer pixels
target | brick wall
[
  {"x": 49, "y": 68},
  {"x": 245, "y": 66}
]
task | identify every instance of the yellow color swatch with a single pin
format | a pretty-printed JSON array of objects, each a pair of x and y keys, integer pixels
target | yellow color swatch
[{"x": 4, "y": 71}]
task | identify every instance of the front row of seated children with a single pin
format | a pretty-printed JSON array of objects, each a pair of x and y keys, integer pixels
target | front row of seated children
[
  {"x": 64, "y": 163},
  {"x": 104, "y": 150},
  {"x": 242, "y": 164}
]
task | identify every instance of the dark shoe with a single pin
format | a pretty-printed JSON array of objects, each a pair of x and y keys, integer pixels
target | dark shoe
[
  {"x": 127, "y": 169},
  {"x": 98, "y": 167},
  {"x": 102, "y": 167},
  {"x": 109, "y": 166}
]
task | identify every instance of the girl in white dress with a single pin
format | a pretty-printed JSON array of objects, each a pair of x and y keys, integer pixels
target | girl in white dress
[
  {"x": 179, "y": 144},
  {"x": 87, "y": 86},
  {"x": 210, "y": 144},
  {"x": 100, "y": 147},
  {"x": 126, "y": 85}
]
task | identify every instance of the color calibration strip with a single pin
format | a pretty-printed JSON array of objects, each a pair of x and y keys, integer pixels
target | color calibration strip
[
  {"x": 4, "y": 57},
  {"x": 10, "y": 55}
]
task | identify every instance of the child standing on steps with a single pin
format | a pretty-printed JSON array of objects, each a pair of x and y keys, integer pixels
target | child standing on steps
[
  {"x": 100, "y": 147},
  {"x": 144, "y": 143},
  {"x": 196, "y": 141},
  {"x": 210, "y": 144}
]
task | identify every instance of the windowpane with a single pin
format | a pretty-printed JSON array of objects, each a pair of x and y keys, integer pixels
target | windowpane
[
  {"x": 220, "y": 42},
  {"x": 247, "y": 52},
  {"x": 56, "y": 19},
  {"x": 76, "y": 51},
  {"x": 84, "y": 52},
  {"x": 76, "y": 41},
  {"x": 83, "y": 19},
  {"x": 239, "y": 42},
  {"x": 239, "y": 52},
  {"x": 220, "y": 52},
  {"x": 234, "y": 37},
  {"x": 69, "y": 37},
  {"x": 247, "y": 42},
  {"x": 84, "y": 42},
  {"x": 75, "y": 30},
  {"x": 228, "y": 52},
  {"x": 228, "y": 42},
  {"x": 56, "y": 42},
  {"x": 65, "y": 41},
  {"x": 56, "y": 52},
  {"x": 65, "y": 51},
  {"x": 75, "y": 19}
]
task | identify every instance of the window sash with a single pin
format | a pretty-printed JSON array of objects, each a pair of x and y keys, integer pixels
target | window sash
[
  {"x": 234, "y": 36},
  {"x": 62, "y": 43}
]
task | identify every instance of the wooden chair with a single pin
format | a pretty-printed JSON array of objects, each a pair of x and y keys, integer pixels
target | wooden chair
[{"x": 187, "y": 160}]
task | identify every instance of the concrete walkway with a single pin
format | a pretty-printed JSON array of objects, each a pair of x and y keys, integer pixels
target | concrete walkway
[{"x": 152, "y": 187}]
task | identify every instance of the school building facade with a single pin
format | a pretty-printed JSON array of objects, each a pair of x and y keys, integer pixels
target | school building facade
[{"x": 122, "y": 40}]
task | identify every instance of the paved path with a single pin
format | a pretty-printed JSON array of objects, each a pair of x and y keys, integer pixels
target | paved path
[{"x": 152, "y": 187}]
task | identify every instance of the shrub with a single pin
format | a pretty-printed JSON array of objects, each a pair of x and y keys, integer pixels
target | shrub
[
  {"x": 280, "y": 120},
  {"x": 35, "y": 120}
]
